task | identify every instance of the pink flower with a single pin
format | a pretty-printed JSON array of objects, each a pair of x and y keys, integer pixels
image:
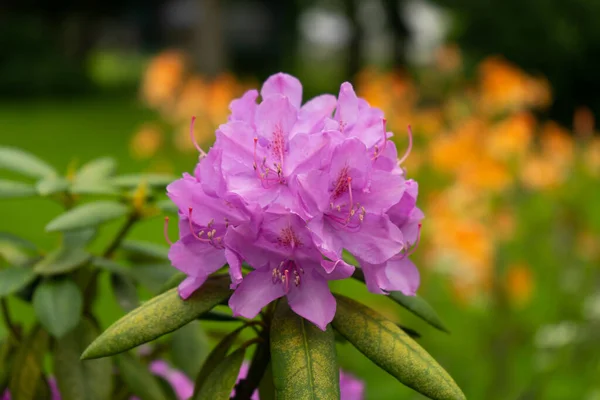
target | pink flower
[{"x": 285, "y": 189}]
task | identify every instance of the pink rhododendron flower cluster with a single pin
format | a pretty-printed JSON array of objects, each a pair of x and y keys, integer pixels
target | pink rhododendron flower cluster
[{"x": 285, "y": 189}]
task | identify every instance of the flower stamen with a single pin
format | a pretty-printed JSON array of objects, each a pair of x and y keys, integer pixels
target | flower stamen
[
  {"x": 193, "y": 138},
  {"x": 166, "y": 231},
  {"x": 409, "y": 148}
]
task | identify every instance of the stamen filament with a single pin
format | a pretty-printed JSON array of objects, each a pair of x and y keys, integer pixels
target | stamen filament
[
  {"x": 166, "y": 231},
  {"x": 193, "y": 138},
  {"x": 409, "y": 148}
]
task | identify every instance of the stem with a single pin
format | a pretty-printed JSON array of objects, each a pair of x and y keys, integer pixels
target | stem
[
  {"x": 121, "y": 235},
  {"x": 8, "y": 321}
]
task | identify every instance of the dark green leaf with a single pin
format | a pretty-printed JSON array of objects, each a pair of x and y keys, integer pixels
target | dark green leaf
[
  {"x": 12, "y": 189},
  {"x": 189, "y": 348},
  {"x": 7, "y": 347},
  {"x": 173, "y": 281},
  {"x": 81, "y": 380},
  {"x": 147, "y": 249},
  {"x": 61, "y": 261},
  {"x": 220, "y": 382},
  {"x": 124, "y": 291},
  {"x": 218, "y": 316},
  {"x": 418, "y": 306},
  {"x": 58, "y": 306},
  {"x": 28, "y": 364},
  {"x": 415, "y": 304},
  {"x": 213, "y": 359},
  {"x": 266, "y": 389},
  {"x": 304, "y": 358},
  {"x": 52, "y": 185},
  {"x": 410, "y": 332},
  {"x": 158, "y": 316},
  {"x": 133, "y": 180},
  {"x": 88, "y": 215},
  {"x": 14, "y": 279},
  {"x": 78, "y": 238},
  {"x": 24, "y": 163},
  {"x": 260, "y": 361},
  {"x": 393, "y": 350},
  {"x": 96, "y": 171},
  {"x": 138, "y": 378}
]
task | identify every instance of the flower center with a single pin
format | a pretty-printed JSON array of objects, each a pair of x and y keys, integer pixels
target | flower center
[
  {"x": 209, "y": 234},
  {"x": 288, "y": 238},
  {"x": 344, "y": 212},
  {"x": 287, "y": 271}
]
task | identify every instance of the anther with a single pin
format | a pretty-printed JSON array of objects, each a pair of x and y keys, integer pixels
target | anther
[
  {"x": 409, "y": 148},
  {"x": 166, "y": 231},
  {"x": 190, "y": 210},
  {"x": 193, "y": 138}
]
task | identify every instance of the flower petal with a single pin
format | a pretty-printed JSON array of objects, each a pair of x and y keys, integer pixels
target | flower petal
[
  {"x": 256, "y": 291},
  {"x": 190, "y": 285},
  {"x": 235, "y": 268},
  {"x": 402, "y": 275},
  {"x": 376, "y": 241},
  {"x": 244, "y": 108},
  {"x": 285, "y": 85},
  {"x": 312, "y": 299}
]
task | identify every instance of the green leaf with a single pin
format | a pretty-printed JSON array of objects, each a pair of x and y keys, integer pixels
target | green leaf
[
  {"x": 133, "y": 180},
  {"x": 99, "y": 188},
  {"x": 61, "y": 261},
  {"x": 167, "y": 206},
  {"x": 153, "y": 276},
  {"x": 266, "y": 389},
  {"x": 158, "y": 316},
  {"x": 81, "y": 380},
  {"x": 138, "y": 378},
  {"x": 173, "y": 281},
  {"x": 96, "y": 171},
  {"x": 410, "y": 332},
  {"x": 304, "y": 358},
  {"x": 418, "y": 306},
  {"x": 393, "y": 350},
  {"x": 88, "y": 215},
  {"x": 189, "y": 348},
  {"x": 24, "y": 163},
  {"x": 52, "y": 185},
  {"x": 6, "y": 237},
  {"x": 7, "y": 347},
  {"x": 28, "y": 364},
  {"x": 78, "y": 238},
  {"x": 415, "y": 304},
  {"x": 12, "y": 189},
  {"x": 111, "y": 266},
  {"x": 220, "y": 382},
  {"x": 14, "y": 279},
  {"x": 58, "y": 306},
  {"x": 147, "y": 249},
  {"x": 124, "y": 291},
  {"x": 213, "y": 359}
]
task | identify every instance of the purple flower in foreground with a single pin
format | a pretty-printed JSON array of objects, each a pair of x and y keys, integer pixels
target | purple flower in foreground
[
  {"x": 181, "y": 384},
  {"x": 288, "y": 187}
]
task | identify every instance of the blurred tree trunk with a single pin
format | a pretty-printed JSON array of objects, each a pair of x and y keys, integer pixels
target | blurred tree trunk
[
  {"x": 399, "y": 30},
  {"x": 208, "y": 47}
]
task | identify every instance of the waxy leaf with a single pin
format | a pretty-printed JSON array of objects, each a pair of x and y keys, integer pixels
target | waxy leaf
[
  {"x": 76, "y": 379},
  {"x": 88, "y": 215},
  {"x": 218, "y": 316},
  {"x": 58, "y": 306},
  {"x": 158, "y": 316},
  {"x": 393, "y": 350},
  {"x": 78, "y": 238},
  {"x": 6, "y": 237},
  {"x": 303, "y": 357},
  {"x": 147, "y": 249},
  {"x": 134, "y": 180},
  {"x": 418, "y": 306},
  {"x": 49, "y": 186},
  {"x": 189, "y": 348},
  {"x": 266, "y": 389},
  {"x": 124, "y": 291},
  {"x": 12, "y": 189},
  {"x": 96, "y": 170},
  {"x": 139, "y": 379},
  {"x": 153, "y": 276},
  {"x": 27, "y": 365},
  {"x": 24, "y": 163},
  {"x": 100, "y": 188},
  {"x": 61, "y": 261},
  {"x": 215, "y": 356},
  {"x": 220, "y": 382},
  {"x": 14, "y": 279}
]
